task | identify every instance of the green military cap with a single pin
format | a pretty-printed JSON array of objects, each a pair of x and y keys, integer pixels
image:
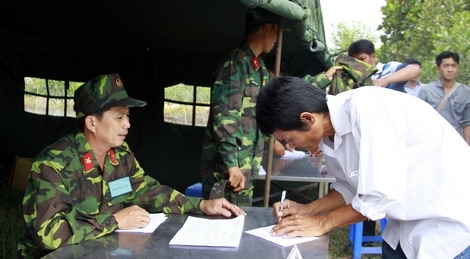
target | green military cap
[
  {"x": 259, "y": 15},
  {"x": 100, "y": 92}
]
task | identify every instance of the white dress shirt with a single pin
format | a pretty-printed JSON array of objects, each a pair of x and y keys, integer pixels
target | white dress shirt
[{"x": 394, "y": 156}]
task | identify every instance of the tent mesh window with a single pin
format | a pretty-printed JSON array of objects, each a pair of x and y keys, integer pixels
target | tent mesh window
[
  {"x": 187, "y": 105},
  {"x": 49, "y": 97}
]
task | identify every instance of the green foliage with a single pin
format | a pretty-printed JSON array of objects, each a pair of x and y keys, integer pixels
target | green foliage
[
  {"x": 423, "y": 29},
  {"x": 343, "y": 35},
  {"x": 183, "y": 113}
]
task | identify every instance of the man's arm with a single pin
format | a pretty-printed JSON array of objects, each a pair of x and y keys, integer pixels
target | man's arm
[
  {"x": 402, "y": 75},
  {"x": 54, "y": 217},
  {"x": 323, "y": 79},
  {"x": 227, "y": 96}
]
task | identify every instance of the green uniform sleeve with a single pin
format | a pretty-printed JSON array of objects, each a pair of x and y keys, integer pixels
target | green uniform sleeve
[
  {"x": 154, "y": 197},
  {"x": 227, "y": 100},
  {"x": 54, "y": 217},
  {"x": 321, "y": 80}
]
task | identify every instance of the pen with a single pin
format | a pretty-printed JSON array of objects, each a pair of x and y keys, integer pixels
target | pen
[{"x": 283, "y": 197}]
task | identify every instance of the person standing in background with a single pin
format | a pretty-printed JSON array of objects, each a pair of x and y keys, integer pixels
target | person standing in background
[
  {"x": 450, "y": 98},
  {"x": 413, "y": 86},
  {"x": 233, "y": 145},
  {"x": 389, "y": 74}
]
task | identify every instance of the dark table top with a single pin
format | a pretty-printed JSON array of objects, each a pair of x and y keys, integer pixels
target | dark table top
[{"x": 155, "y": 245}]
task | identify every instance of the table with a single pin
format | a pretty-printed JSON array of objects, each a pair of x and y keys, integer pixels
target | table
[
  {"x": 155, "y": 245},
  {"x": 306, "y": 169}
]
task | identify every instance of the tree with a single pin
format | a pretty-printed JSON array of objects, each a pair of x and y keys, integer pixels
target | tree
[
  {"x": 423, "y": 29},
  {"x": 343, "y": 35}
]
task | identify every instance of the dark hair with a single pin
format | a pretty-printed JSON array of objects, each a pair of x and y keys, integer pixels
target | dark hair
[
  {"x": 361, "y": 46},
  {"x": 447, "y": 54},
  {"x": 252, "y": 29},
  {"x": 98, "y": 114},
  {"x": 412, "y": 61},
  {"x": 280, "y": 103}
]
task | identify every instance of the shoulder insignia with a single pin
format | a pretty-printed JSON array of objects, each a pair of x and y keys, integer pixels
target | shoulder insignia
[{"x": 87, "y": 160}]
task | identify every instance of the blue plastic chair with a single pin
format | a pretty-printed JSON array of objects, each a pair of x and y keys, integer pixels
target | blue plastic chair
[
  {"x": 194, "y": 190},
  {"x": 356, "y": 238}
]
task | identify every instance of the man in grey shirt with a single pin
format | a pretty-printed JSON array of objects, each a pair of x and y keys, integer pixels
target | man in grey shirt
[{"x": 457, "y": 108}]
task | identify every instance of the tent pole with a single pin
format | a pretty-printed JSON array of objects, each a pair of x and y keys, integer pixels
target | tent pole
[{"x": 269, "y": 161}]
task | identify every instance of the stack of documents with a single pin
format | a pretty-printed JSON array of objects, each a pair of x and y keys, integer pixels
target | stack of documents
[{"x": 210, "y": 232}]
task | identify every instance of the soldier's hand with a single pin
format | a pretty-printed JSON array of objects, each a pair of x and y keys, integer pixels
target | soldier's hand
[
  {"x": 278, "y": 148},
  {"x": 132, "y": 217},
  {"x": 236, "y": 179},
  {"x": 220, "y": 206},
  {"x": 331, "y": 71}
]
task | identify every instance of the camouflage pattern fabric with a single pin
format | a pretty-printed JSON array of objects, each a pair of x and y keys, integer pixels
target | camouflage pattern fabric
[
  {"x": 67, "y": 198},
  {"x": 232, "y": 138},
  {"x": 321, "y": 80},
  {"x": 354, "y": 74},
  {"x": 100, "y": 92}
]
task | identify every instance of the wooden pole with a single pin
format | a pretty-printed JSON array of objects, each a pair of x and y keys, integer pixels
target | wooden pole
[{"x": 269, "y": 161}]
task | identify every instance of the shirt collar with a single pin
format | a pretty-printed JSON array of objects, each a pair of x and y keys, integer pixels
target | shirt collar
[{"x": 339, "y": 119}]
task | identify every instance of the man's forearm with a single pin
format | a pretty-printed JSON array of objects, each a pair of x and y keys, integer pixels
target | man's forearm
[
  {"x": 331, "y": 201},
  {"x": 340, "y": 217},
  {"x": 404, "y": 74}
]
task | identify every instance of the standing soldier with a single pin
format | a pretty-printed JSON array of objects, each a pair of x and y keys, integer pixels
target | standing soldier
[{"x": 233, "y": 145}]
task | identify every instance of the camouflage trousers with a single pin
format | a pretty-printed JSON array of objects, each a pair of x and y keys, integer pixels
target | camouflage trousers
[{"x": 213, "y": 188}]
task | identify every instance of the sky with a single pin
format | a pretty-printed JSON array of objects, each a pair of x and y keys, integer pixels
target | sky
[{"x": 348, "y": 11}]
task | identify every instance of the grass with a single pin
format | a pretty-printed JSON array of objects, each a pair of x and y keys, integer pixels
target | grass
[
  {"x": 11, "y": 217},
  {"x": 12, "y": 225}
]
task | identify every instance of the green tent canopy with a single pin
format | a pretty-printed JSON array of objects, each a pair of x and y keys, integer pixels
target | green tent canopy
[{"x": 152, "y": 45}]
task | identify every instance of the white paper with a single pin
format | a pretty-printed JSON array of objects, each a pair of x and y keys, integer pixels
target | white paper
[
  {"x": 295, "y": 253},
  {"x": 264, "y": 232},
  {"x": 261, "y": 171},
  {"x": 210, "y": 232},
  {"x": 155, "y": 220},
  {"x": 295, "y": 154}
]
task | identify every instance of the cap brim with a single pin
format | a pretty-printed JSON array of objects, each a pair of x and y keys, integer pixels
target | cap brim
[{"x": 130, "y": 102}]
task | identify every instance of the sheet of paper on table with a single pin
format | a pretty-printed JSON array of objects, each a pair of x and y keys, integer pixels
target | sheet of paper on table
[
  {"x": 210, "y": 232},
  {"x": 293, "y": 155},
  {"x": 264, "y": 233},
  {"x": 155, "y": 220}
]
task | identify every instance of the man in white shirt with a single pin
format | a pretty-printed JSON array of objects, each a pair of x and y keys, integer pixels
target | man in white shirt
[{"x": 393, "y": 156}]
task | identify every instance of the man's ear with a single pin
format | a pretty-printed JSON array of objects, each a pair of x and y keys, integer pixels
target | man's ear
[
  {"x": 307, "y": 117},
  {"x": 90, "y": 123}
]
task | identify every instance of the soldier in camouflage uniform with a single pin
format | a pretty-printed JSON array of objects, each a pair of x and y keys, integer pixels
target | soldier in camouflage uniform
[
  {"x": 88, "y": 183},
  {"x": 233, "y": 145}
]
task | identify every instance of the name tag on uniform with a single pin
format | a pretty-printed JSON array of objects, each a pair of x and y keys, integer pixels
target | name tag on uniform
[{"x": 120, "y": 186}]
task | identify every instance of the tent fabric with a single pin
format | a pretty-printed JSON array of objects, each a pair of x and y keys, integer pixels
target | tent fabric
[{"x": 152, "y": 45}]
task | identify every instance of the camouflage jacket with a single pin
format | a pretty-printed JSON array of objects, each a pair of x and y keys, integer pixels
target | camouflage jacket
[
  {"x": 232, "y": 138},
  {"x": 355, "y": 73},
  {"x": 68, "y": 199}
]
